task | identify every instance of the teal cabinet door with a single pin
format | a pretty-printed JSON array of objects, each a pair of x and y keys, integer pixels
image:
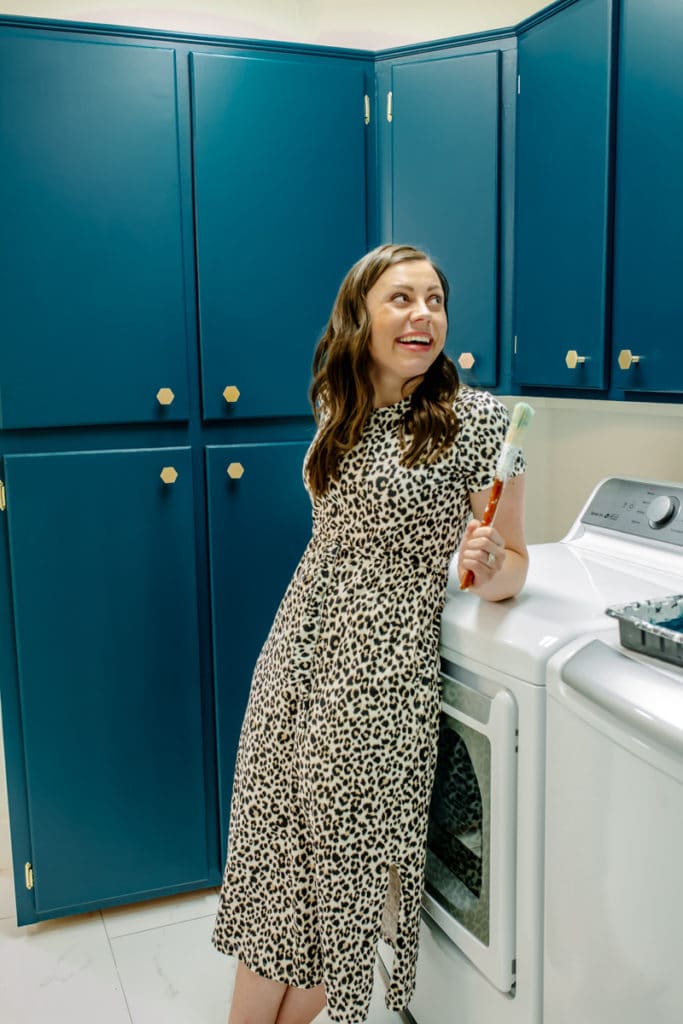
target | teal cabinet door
[
  {"x": 445, "y": 191},
  {"x": 104, "y": 587},
  {"x": 562, "y": 182},
  {"x": 279, "y": 165},
  {"x": 91, "y": 269},
  {"x": 647, "y": 338},
  {"x": 259, "y": 525}
]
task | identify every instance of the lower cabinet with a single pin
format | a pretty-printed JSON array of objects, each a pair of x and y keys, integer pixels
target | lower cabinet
[
  {"x": 120, "y": 756},
  {"x": 106, "y": 728},
  {"x": 259, "y": 525}
]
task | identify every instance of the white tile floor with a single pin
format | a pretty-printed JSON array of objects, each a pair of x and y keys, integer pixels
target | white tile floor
[{"x": 151, "y": 963}]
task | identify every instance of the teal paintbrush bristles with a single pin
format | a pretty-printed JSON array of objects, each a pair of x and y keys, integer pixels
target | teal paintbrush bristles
[{"x": 522, "y": 414}]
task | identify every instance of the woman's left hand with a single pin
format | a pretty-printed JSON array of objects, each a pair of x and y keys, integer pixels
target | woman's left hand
[
  {"x": 497, "y": 554},
  {"x": 482, "y": 550}
]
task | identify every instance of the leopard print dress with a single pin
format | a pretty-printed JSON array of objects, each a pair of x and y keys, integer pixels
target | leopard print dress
[{"x": 337, "y": 753}]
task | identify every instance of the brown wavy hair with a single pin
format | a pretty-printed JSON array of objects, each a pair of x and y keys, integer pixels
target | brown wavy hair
[{"x": 342, "y": 394}]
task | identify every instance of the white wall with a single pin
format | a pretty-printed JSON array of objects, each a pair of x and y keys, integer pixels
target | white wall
[
  {"x": 365, "y": 24},
  {"x": 572, "y": 444}
]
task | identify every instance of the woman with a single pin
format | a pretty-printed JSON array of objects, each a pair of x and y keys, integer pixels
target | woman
[{"x": 336, "y": 759}]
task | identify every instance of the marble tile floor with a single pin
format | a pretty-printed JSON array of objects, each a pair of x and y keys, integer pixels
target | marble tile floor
[{"x": 150, "y": 963}]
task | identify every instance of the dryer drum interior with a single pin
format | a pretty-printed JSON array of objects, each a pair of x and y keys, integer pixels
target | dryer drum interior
[{"x": 457, "y": 871}]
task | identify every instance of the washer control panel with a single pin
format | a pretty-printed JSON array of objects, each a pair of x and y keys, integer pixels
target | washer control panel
[{"x": 638, "y": 509}]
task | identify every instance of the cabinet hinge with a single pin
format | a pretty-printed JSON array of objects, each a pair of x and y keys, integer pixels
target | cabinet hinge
[
  {"x": 390, "y": 106},
  {"x": 28, "y": 875},
  {"x": 3, "y": 496},
  {"x": 366, "y": 106}
]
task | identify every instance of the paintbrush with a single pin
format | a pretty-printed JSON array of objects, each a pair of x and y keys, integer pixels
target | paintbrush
[{"x": 521, "y": 418}]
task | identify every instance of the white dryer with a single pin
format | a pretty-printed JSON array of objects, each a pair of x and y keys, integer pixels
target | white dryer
[
  {"x": 481, "y": 942},
  {"x": 614, "y": 836}
]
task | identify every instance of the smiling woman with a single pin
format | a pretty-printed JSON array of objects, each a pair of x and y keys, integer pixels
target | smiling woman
[{"x": 337, "y": 753}]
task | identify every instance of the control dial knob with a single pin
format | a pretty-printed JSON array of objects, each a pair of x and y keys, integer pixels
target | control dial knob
[{"x": 661, "y": 511}]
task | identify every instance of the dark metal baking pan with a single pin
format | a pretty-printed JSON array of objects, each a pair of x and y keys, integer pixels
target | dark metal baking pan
[{"x": 653, "y": 627}]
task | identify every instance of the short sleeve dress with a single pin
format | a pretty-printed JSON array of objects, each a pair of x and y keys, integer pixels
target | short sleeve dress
[{"x": 337, "y": 753}]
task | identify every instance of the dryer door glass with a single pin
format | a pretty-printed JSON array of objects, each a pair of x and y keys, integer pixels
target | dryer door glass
[{"x": 471, "y": 842}]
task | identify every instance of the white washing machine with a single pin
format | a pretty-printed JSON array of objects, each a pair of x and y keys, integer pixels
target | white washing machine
[
  {"x": 614, "y": 837},
  {"x": 481, "y": 942}
]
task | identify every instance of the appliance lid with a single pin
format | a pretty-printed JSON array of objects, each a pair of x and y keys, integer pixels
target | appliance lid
[
  {"x": 635, "y": 701},
  {"x": 566, "y": 594}
]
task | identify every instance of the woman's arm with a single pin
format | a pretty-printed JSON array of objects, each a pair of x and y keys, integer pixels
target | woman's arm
[{"x": 505, "y": 540}]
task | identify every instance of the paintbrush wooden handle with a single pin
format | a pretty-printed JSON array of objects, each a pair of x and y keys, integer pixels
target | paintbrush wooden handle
[{"x": 486, "y": 520}]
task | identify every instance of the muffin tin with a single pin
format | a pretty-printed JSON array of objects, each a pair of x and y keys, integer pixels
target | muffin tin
[{"x": 653, "y": 627}]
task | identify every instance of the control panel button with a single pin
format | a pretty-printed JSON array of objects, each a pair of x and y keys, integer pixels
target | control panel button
[{"x": 661, "y": 511}]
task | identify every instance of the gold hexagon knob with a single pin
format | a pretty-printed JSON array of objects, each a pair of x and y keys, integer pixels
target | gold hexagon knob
[
  {"x": 235, "y": 470},
  {"x": 165, "y": 396},
  {"x": 572, "y": 359},
  {"x": 231, "y": 394},
  {"x": 626, "y": 359},
  {"x": 169, "y": 474},
  {"x": 466, "y": 360}
]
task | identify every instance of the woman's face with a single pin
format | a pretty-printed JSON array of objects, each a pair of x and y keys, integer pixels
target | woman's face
[{"x": 407, "y": 326}]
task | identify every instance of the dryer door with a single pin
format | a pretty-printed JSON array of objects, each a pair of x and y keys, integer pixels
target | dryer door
[{"x": 471, "y": 859}]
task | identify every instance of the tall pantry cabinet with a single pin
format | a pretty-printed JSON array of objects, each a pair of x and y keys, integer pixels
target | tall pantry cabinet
[{"x": 176, "y": 220}]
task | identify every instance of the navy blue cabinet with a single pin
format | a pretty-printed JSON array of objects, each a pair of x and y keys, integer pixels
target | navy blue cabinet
[
  {"x": 259, "y": 525},
  {"x": 648, "y": 298},
  {"x": 112, "y": 717},
  {"x": 445, "y": 115},
  {"x": 562, "y": 182},
  {"x": 279, "y": 171},
  {"x": 91, "y": 266}
]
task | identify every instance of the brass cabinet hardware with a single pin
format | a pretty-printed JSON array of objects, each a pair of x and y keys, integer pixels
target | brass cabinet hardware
[
  {"x": 231, "y": 394},
  {"x": 366, "y": 106},
  {"x": 28, "y": 875},
  {"x": 3, "y": 496},
  {"x": 165, "y": 396},
  {"x": 466, "y": 360},
  {"x": 572, "y": 359},
  {"x": 169, "y": 474},
  {"x": 626, "y": 359},
  {"x": 390, "y": 106},
  {"x": 235, "y": 470}
]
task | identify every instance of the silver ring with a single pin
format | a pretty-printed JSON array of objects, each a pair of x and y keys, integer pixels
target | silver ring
[{"x": 491, "y": 559}]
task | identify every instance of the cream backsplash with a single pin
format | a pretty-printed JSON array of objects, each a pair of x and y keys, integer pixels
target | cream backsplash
[{"x": 572, "y": 444}]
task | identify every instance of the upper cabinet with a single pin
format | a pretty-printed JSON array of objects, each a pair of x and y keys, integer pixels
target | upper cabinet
[
  {"x": 91, "y": 263},
  {"x": 562, "y": 183},
  {"x": 648, "y": 298},
  {"x": 444, "y": 190},
  {"x": 279, "y": 170}
]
